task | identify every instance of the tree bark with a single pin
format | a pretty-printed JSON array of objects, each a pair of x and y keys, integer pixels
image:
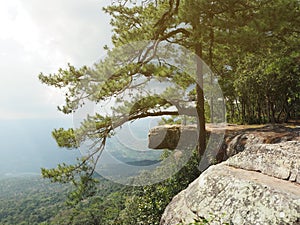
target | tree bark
[
  {"x": 210, "y": 63},
  {"x": 200, "y": 102}
]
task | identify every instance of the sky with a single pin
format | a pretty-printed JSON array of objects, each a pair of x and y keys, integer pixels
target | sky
[{"x": 42, "y": 36}]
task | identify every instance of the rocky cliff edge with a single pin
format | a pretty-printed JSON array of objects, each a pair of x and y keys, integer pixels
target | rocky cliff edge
[{"x": 260, "y": 185}]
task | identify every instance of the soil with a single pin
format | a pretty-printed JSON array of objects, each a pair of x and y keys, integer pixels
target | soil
[{"x": 271, "y": 133}]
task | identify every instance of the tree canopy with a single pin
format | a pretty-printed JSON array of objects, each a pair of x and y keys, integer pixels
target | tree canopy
[{"x": 251, "y": 46}]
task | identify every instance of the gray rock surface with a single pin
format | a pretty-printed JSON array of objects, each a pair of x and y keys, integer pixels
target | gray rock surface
[
  {"x": 277, "y": 160},
  {"x": 257, "y": 186},
  {"x": 242, "y": 141}
]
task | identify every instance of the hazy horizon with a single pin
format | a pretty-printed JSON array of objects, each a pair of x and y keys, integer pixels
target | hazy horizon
[
  {"x": 42, "y": 36},
  {"x": 27, "y": 146}
]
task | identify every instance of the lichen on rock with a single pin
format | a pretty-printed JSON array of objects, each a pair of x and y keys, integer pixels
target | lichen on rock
[{"x": 257, "y": 186}]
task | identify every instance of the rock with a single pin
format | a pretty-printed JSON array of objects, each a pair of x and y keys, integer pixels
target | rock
[
  {"x": 172, "y": 137},
  {"x": 237, "y": 138},
  {"x": 241, "y": 141},
  {"x": 278, "y": 160},
  {"x": 257, "y": 186}
]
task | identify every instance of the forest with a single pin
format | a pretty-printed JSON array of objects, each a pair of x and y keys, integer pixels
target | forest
[
  {"x": 29, "y": 200},
  {"x": 33, "y": 200},
  {"x": 250, "y": 47}
]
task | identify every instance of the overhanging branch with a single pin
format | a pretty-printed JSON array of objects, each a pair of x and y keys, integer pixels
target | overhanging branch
[{"x": 175, "y": 32}]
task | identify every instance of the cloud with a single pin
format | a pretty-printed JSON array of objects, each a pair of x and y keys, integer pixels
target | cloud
[
  {"x": 78, "y": 28},
  {"x": 42, "y": 36}
]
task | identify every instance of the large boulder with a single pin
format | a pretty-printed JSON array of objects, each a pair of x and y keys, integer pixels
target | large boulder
[
  {"x": 172, "y": 136},
  {"x": 257, "y": 186}
]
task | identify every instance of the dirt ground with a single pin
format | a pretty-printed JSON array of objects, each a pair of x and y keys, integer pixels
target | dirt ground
[{"x": 271, "y": 133}]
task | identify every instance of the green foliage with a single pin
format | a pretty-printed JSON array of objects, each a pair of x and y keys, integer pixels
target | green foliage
[
  {"x": 178, "y": 120},
  {"x": 146, "y": 204},
  {"x": 79, "y": 175},
  {"x": 43, "y": 203},
  {"x": 151, "y": 102},
  {"x": 95, "y": 210},
  {"x": 252, "y": 46},
  {"x": 125, "y": 70},
  {"x": 273, "y": 85},
  {"x": 65, "y": 138},
  {"x": 30, "y": 200},
  {"x": 261, "y": 83}
]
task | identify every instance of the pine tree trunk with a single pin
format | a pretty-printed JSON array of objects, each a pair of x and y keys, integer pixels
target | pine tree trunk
[
  {"x": 210, "y": 63},
  {"x": 200, "y": 102}
]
